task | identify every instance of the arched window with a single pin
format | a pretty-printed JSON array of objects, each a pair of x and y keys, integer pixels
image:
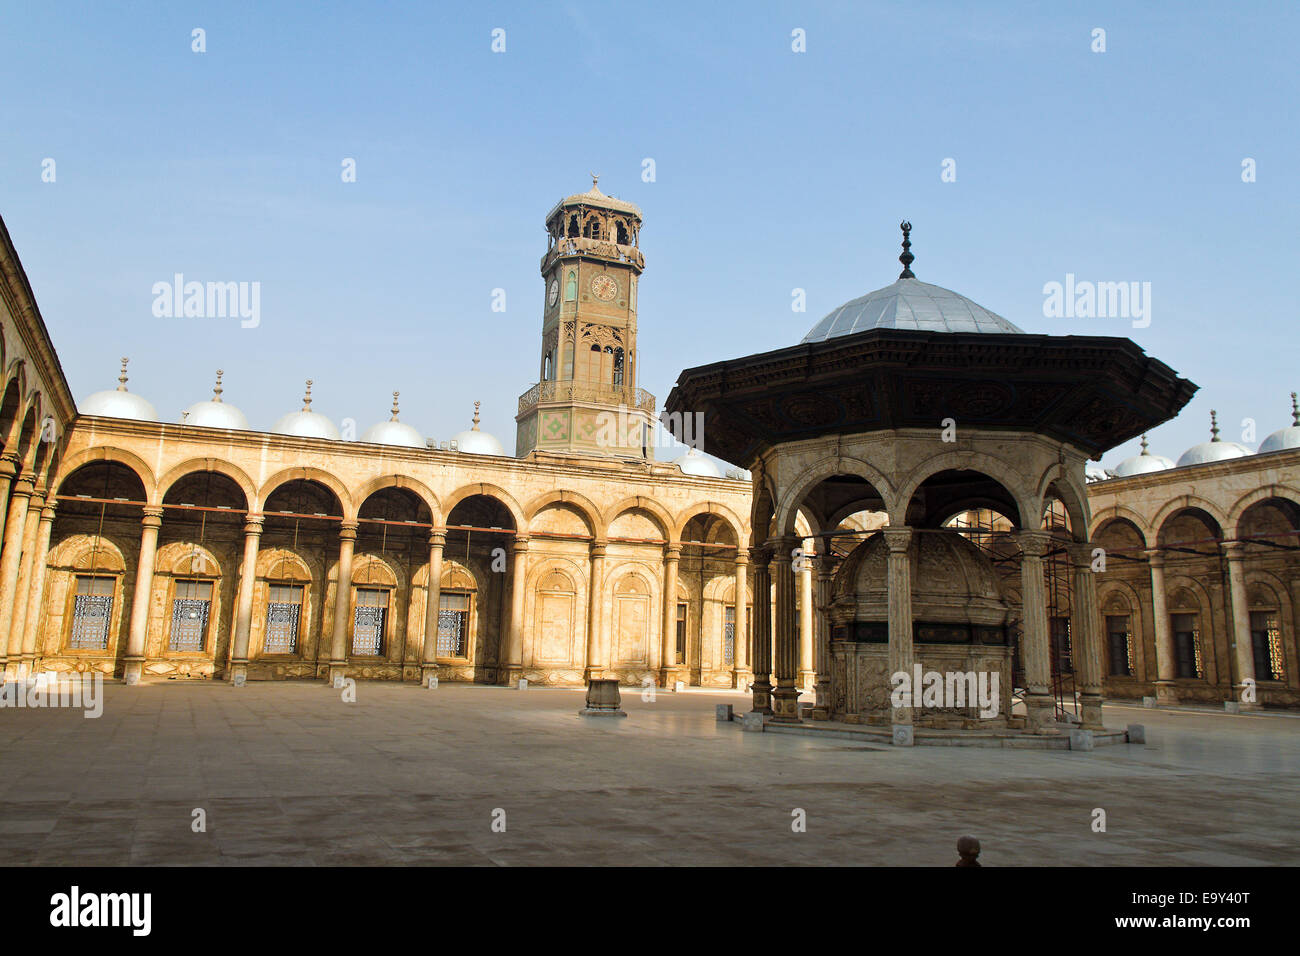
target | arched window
[
  {"x": 455, "y": 614},
  {"x": 1185, "y": 622},
  {"x": 573, "y": 226},
  {"x": 618, "y": 366},
  {"x": 622, "y": 233},
  {"x": 571, "y": 286},
  {"x": 1119, "y": 639},
  {"x": 1266, "y": 635},
  {"x": 546, "y": 368}
]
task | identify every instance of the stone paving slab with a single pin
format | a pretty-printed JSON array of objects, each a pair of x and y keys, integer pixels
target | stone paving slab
[{"x": 290, "y": 775}]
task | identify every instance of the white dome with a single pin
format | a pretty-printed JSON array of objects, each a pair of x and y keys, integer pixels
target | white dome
[
  {"x": 1143, "y": 463},
  {"x": 393, "y": 432},
  {"x": 1092, "y": 471},
  {"x": 475, "y": 442},
  {"x": 119, "y": 403},
  {"x": 693, "y": 463},
  {"x": 215, "y": 415},
  {"x": 1212, "y": 450},
  {"x": 1281, "y": 440},
  {"x": 306, "y": 423}
]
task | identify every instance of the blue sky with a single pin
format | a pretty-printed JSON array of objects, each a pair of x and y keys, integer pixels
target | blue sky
[{"x": 775, "y": 170}]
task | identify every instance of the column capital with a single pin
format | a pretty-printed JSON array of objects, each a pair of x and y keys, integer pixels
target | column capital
[
  {"x": 1081, "y": 554},
  {"x": 897, "y": 539},
  {"x": 598, "y": 546},
  {"x": 348, "y": 530},
  {"x": 23, "y": 487},
  {"x": 253, "y": 524},
  {"x": 1234, "y": 551},
  {"x": 759, "y": 556},
  {"x": 1035, "y": 543},
  {"x": 673, "y": 551},
  {"x": 520, "y": 543},
  {"x": 50, "y": 507},
  {"x": 153, "y": 516},
  {"x": 1155, "y": 557},
  {"x": 438, "y": 538},
  {"x": 741, "y": 558},
  {"x": 9, "y": 465}
]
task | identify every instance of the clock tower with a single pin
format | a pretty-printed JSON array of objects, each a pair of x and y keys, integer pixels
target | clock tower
[{"x": 586, "y": 401}]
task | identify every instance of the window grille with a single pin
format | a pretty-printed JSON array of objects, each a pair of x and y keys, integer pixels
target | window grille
[
  {"x": 92, "y": 614},
  {"x": 453, "y": 625},
  {"x": 681, "y": 634},
  {"x": 283, "y": 616},
  {"x": 729, "y": 636},
  {"x": 1266, "y": 641},
  {"x": 1187, "y": 646},
  {"x": 191, "y": 606},
  {"x": 1121, "y": 646},
  {"x": 368, "y": 622}
]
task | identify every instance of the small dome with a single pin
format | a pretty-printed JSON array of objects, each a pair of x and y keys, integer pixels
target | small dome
[
  {"x": 475, "y": 442},
  {"x": 119, "y": 403},
  {"x": 693, "y": 463},
  {"x": 1142, "y": 463},
  {"x": 393, "y": 432},
  {"x": 215, "y": 413},
  {"x": 909, "y": 304},
  {"x": 1212, "y": 450},
  {"x": 1284, "y": 438},
  {"x": 306, "y": 423},
  {"x": 1092, "y": 471}
]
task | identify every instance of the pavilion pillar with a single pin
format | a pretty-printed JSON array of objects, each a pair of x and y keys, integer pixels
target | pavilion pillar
[
  {"x": 901, "y": 656},
  {"x": 244, "y": 601},
  {"x": 1166, "y": 690},
  {"x": 597, "y": 658},
  {"x": 785, "y": 699},
  {"x": 19, "y": 665},
  {"x": 1085, "y": 627},
  {"x": 822, "y": 626},
  {"x": 1243, "y": 648},
  {"x": 514, "y": 657},
  {"x": 133, "y": 660},
  {"x": 10, "y": 559},
  {"x": 807, "y": 634},
  {"x": 36, "y": 587},
  {"x": 668, "y": 673},
  {"x": 1035, "y": 654},
  {"x": 342, "y": 602},
  {"x": 432, "y": 602},
  {"x": 761, "y": 644},
  {"x": 740, "y": 672}
]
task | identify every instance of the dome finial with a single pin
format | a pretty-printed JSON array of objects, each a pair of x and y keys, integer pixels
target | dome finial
[
  {"x": 394, "y": 418},
  {"x": 121, "y": 379},
  {"x": 1295, "y": 411},
  {"x": 906, "y": 258},
  {"x": 1144, "y": 444},
  {"x": 306, "y": 399},
  {"x": 595, "y": 178},
  {"x": 476, "y": 405},
  {"x": 1214, "y": 425},
  {"x": 217, "y": 389}
]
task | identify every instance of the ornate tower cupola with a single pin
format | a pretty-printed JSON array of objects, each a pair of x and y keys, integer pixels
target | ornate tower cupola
[{"x": 586, "y": 401}]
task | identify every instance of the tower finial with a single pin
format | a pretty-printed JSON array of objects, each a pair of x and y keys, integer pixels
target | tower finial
[
  {"x": 1144, "y": 444},
  {"x": 1214, "y": 425},
  {"x": 217, "y": 389},
  {"x": 595, "y": 178},
  {"x": 306, "y": 399},
  {"x": 121, "y": 379},
  {"x": 906, "y": 258},
  {"x": 394, "y": 418},
  {"x": 1295, "y": 411},
  {"x": 476, "y": 405}
]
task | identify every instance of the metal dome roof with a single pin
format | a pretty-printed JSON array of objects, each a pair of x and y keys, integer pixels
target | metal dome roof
[
  {"x": 1143, "y": 463},
  {"x": 594, "y": 197},
  {"x": 693, "y": 463},
  {"x": 1284, "y": 438},
  {"x": 910, "y": 304},
  {"x": 1212, "y": 450},
  {"x": 474, "y": 442},
  {"x": 393, "y": 432},
  {"x": 214, "y": 413},
  {"x": 119, "y": 403},
  {"x": 306, "y": 423}
]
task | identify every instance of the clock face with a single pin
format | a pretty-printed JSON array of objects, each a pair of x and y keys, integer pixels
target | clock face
[
  {"x": 553, "y": 293},
  {"x": 604, "y": 287}
]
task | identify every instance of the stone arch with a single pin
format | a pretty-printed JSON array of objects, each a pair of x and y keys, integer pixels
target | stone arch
[
  {"x": 88, "y": 553},
  {"x": 790, "y": 501},
  {"x": 720, "y": 511},
  {"x": 70, "y": 465},
  {"x": 553, "y": 644},
  {"x": 317, "y": 475},
  {"x": 1123, "y": 513},
  {"x": 188, "y": 559},
  {"x": 413, "y": 485},
  {"x": 1057, "y": 483},
  {"x": 377, "y": 570},
  {"x": 496, "y": 492},
  {"x": 1025, "y": 499},
  {"x": 284, "y": 564},
  {"x": 1170, "y": 509},
  {"x": 656, "y": 511},
  {"x": 583, "y": 506},
  {"x": 201, "y": 465},
  {"x": 1257, "y": 496}
]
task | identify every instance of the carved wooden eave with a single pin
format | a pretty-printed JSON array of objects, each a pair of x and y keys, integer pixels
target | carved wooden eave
[{"x": 1093, "y": 392}]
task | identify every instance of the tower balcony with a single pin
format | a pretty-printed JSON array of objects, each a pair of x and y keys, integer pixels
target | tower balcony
[
  {"x": 595, "y": 393},
  {"x": 597, "y": 248}
]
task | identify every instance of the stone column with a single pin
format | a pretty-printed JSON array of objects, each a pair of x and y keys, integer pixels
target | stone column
[
  {"x": 9, "y": 467},
  {"x": 740, "y": 672},
  {"x": 1035, "y": 654},
  {"x": 761, "y": 644},
  {"x": 597, "y": 658},
  {"x": 514, "y": 667},
  {"x": 9, "y": 565},
  {"x": 1166, "y": 670},
  {"x": 1243, "y": 656},
  {"x": 17, "y": 664},
  {"x": 807, "y": 633},
  {"x": 342, "y": 602},
  {"x": 785, "y": 699},
  {"x": 822, "y": 659},
  {"x": 244, "y": 600},
  {"x": 901, "y": 656},
  {"x": 36, "y": 589},
  {"x": 432, "y": 599},
  {"x": 1086, "y": 629},
  {"x": 668, "y": 672},
  {"x": 133, "y": 660}
]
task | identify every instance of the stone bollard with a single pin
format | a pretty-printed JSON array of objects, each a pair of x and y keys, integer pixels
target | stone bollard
[
  {"x": 968, "y": 848},
  {"x": 725, "y": 713},
  {"x": 1148, "y": 701},
  {"x": 603, "y": 699},
  {"x": 1232, "y": 706},
  {"x": 523, "y": 684},
  {"x": 431, "y": 683},
  {"x": 679, "y": 686},
  {"x": 903, "y": 735},
  {"x": 752, "y": 721},
  {"x": 1137, "y": 734},
  {"x": 1081, "y": 740}
]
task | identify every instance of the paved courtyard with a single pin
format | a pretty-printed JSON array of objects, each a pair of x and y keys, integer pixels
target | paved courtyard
[{"x": 287, "y": 773}]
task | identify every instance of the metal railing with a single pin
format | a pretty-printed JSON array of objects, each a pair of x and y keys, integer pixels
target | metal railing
[{"x": 595, "y": 392}]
